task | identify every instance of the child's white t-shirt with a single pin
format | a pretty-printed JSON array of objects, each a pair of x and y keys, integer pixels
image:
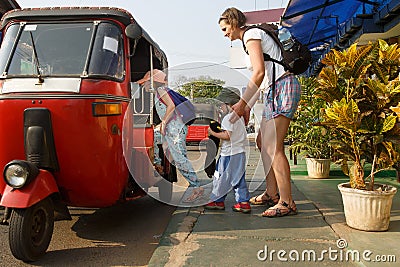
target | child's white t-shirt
[
  {"x": 238, "y": 138},
  {"x": 270, "y": 47}
]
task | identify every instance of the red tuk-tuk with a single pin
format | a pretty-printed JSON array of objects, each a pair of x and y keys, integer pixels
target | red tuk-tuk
[{"x": 68, "y": 133}]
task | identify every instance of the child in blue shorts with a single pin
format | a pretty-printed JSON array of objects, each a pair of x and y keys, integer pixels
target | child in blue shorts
[{"x": 230, "y": 170}]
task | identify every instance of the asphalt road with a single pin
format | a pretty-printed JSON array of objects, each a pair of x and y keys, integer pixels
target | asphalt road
[{"x": 123, "y": 235}]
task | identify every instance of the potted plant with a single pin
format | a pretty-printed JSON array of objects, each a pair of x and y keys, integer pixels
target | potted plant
[
  {"x": 310, "y": 139},
  {"x": 360, "y": 85},
  {"x": 396, "y": 166}
]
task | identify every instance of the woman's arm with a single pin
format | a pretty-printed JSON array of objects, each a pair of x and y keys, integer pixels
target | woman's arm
[
  {"x": 257, "y": 62},
  {"x": 166, "y": 99}
]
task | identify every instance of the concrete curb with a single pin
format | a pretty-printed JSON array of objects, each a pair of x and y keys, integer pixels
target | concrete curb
[{"x": 195, "y": 237}]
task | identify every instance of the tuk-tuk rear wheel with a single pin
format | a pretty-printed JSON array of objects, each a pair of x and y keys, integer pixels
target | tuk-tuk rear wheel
[{"x": 31, "y": 230}]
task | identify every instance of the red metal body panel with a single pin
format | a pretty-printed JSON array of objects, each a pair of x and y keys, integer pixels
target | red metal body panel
[
  {"x": 143, "y": 136},
  {"x": 143, "y": 155},
  {"x": 197, "y": 133},
  {"x": 92, "y": 168},
  {"x": 93, "y": 172},
  {"x": 40, "y": 188},
  {"x": 142, "y": 166},
  {"x": 2, "y": 186}
]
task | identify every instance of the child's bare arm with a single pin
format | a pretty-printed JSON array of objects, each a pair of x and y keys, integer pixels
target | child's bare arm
[{"x": 224, "y": 135}]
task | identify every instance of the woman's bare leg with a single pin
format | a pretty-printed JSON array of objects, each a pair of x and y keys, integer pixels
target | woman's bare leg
[
  {"x": 271, "y": 186},
  {"x": 274, "y": 155}
]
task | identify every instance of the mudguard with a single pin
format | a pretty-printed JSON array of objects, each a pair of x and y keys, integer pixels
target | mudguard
[{"x": 40, "y": 188}]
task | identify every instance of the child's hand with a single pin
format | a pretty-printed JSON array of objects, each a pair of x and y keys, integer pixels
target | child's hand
[{"x": 210, "y": 132}]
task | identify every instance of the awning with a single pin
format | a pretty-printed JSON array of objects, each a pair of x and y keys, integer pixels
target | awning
[
  {"x": 324, "y": 24},
  {"x": 316, "y": 22}
]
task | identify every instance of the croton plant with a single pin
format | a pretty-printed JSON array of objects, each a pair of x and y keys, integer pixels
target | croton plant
[{"x": 362, "y": 90}]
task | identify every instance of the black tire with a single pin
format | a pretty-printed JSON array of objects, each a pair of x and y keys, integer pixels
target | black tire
[{"x": 31, "y": 230}]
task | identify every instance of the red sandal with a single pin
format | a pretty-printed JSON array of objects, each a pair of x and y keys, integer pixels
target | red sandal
[{"x": 281, "y": 209}]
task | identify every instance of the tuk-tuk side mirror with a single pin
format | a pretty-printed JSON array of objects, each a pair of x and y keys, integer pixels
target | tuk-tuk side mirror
[
  {"x": 133, "y": 31},
  {"x": 135, "y": 90}
]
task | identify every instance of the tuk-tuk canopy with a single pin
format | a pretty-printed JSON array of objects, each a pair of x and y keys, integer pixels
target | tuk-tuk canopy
[
  {"x": 68, "y": 13},
  {"x": 327, "y": 24},
  {"x": 81, "y": 13},
  {"x": 7, "y": 5}
]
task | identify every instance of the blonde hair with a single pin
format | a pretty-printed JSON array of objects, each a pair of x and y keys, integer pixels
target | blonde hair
[{"x": 234, "y": 17}]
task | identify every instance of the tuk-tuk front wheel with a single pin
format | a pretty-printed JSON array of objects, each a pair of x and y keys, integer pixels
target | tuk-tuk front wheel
[{"x": 31, "y": 230}]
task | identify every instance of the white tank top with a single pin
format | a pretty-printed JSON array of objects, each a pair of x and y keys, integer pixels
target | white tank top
[{"x": 270, "y": 47}]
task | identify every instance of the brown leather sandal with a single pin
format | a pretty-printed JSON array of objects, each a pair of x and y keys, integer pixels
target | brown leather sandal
[
  {"x": 281, "y": 209},
  {"x": 259, "y": 200}
]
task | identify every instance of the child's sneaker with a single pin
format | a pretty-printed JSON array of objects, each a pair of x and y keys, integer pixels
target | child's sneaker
[
  {"x": 242, "y": 207},
  {"x": 215, "y": 206}
]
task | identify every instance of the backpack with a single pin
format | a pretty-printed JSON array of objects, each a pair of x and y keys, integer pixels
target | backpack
[
  {"x": 296, "y": 60},
  {"x": 212, "y": 149},
  {"x": 184, "y": 108}
]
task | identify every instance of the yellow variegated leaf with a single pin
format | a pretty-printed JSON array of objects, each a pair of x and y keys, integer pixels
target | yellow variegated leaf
[
  {"x": 389, "y": 123},
  {"x": 395, "y": 89},
  {"x": 396, "y": 109},
  {"x": 353, "y": 106},
  {"x": 331, "y": 114}
]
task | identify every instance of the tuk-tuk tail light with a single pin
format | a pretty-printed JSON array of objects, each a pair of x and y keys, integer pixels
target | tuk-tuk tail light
[{"x": 107, "y": 109}]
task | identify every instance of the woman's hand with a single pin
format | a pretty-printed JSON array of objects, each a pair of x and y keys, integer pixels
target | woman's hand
[
  {"x": 240, "y": 110},
  {"x": 246, "y": 115},
  {"x": 163, "y": 126}
]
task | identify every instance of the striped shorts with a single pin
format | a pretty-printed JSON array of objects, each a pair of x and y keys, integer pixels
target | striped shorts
[{"x": 287, "y": 97}]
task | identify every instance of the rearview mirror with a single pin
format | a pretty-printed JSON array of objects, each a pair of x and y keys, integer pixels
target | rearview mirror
[{"x": 133, "y": 31}]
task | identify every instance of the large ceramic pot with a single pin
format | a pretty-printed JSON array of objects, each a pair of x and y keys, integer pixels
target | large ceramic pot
[
  {"x": 367, "y": 210},
  {"x": 318, "y": 168}
]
